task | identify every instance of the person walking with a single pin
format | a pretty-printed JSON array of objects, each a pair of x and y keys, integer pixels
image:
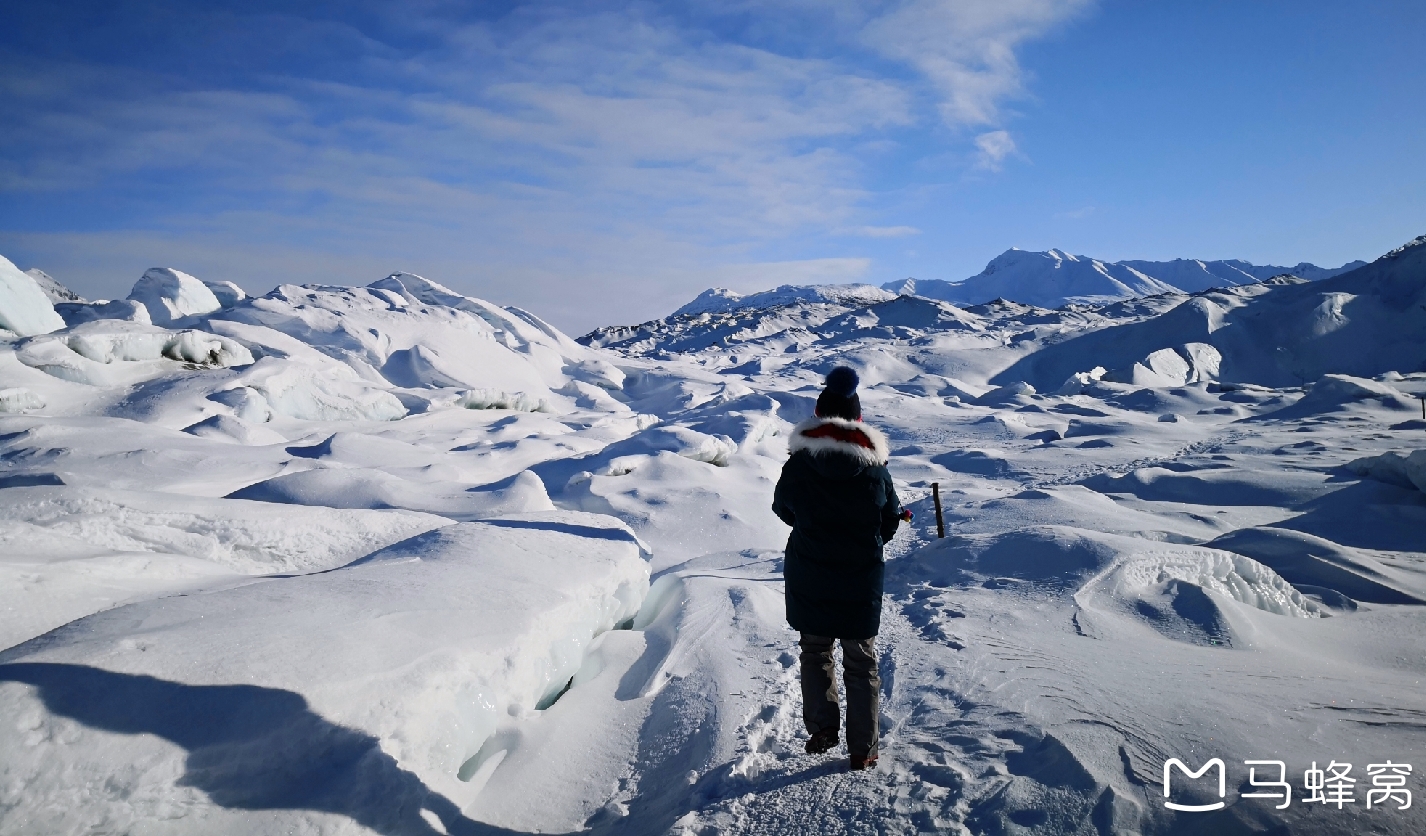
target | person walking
[{"x": 836, "y": 493}]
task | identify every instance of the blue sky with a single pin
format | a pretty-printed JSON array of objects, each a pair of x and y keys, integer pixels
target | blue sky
[{"x": 603, "y": 163}]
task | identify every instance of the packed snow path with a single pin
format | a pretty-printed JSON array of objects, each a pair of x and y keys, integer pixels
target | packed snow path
[{"x": 392, "y": 560}]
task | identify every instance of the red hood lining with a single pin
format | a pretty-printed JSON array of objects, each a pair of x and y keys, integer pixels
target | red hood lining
[{"x": 849, "y": 435}]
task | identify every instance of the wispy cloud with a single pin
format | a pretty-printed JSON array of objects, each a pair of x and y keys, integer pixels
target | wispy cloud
[
  {"x": 967, "y": 48},
  {"x": 552, "y": 143},
  {"x": 992, "y": 148},
  {"x": 881, "y": 231}
]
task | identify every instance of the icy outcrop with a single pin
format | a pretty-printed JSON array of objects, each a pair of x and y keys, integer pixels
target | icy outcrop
[
  {"x": 359, "y": 487},
  {"x": 24, "y": 308},
  {"x": 1077, "y": 382},
  {"x": 1406, "y": 471},
  {"x": 124, "y": 310},
  {"x": 409, "y": 661},
  {"x": 1188, "y": 363},
  {"x": 230, "y": 428},
  {"x": 299, "y": 392},
  {"x": 599, "y": 372},
  {"x": 389, "y": 336},
  {"x": 53, "y": 290},
  {"x": 19, "y": 399},
  {"x": 171, "y": 295},
  {"x": 247, "y": 404},
  {"x": 1241, "y": 578},
  {"x": 1006, "y": 394},
  {"x": 1336, "y": 391},
  {"x": 227, "y": 293},
  {"x": 496, "y": 399},
  {"x": 623, "y": 456},
  {"x": 109, "y": 353}
]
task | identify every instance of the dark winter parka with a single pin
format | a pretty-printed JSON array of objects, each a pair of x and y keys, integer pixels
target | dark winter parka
[{"x": 836, "y": 494}]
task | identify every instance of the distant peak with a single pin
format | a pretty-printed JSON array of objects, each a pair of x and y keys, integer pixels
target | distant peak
[{"x": 1418, "y": 241}]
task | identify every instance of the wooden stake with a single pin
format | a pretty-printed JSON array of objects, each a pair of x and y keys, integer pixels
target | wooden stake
[{"x": 936, "y": 496}]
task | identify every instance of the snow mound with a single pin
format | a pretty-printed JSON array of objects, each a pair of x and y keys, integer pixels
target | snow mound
[
  {"x": 1212, "y": 486},
  {"x": 227, "y": 293},
  {"x": 496, "y": 399},
  {"x": 247, "y": 404},
  {"x": 109, "y": 352},
  {"x": 1232, "y": 575},
  {"x": 358, "y": 487},
  {"x": 229, "y": 428},
  {"x": 302, "y": 393},
  {"x": 1407, "y": 471},
  {"x": 246, "y": 537},
  {"x": 127, "y": 310},
  {"x": 1121, "y": 568},
  {"x": 598, "y": 372},
  {"x": 24, "y": 308},
  {"x": 1336, "y": 390},
  {"x": 623, "y": 456},
  {"x": 1007, "y": 394},
  {"x": 1079, "y": 381},
  {"x": 387, "y": 335},
  {"x": 1177, "y": 366},
  {"x": 171, "y": 295},
  {"x": 442, "y": 638},
  {"x": 1314, "y": 564}
]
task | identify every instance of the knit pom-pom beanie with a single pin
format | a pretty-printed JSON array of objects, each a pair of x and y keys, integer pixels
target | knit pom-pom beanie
[
  {"x": 839, "y": 398},
  {"x": 842, "y": 381}
]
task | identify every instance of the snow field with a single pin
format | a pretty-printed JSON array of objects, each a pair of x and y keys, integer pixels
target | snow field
[
  {"x": 412, "y": 656},
  {"x": 450, "y": 508}
]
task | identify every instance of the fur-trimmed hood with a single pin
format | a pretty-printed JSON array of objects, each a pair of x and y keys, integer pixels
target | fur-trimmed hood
[{"x": 862, "y": 442}]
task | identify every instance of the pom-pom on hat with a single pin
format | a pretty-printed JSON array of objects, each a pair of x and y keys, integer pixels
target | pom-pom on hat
[{"x": 839, "y": 398}]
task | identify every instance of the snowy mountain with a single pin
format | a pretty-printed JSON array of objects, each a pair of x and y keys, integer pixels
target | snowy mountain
[
  {"x": 1055, "y": 278},
  {"x": 53, "y": 290},
  {"x": 721, "y": 300},
  {"x": 389, "y": 559},
  {"x": 1278, "y": 333}
]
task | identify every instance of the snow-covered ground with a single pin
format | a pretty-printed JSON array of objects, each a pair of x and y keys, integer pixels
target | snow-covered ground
[{"x": 393, "y": 560}]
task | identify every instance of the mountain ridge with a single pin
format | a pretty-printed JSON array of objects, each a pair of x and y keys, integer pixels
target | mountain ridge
[{"x": 1053, "y": 278}]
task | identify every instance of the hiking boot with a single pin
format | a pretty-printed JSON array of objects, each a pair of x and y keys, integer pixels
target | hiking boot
[
  {"x": 860, "y": 762},
  {"x": 821, "y": 742}
]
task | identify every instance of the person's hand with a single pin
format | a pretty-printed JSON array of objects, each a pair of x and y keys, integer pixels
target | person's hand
[{"x": 905, "y": 515}]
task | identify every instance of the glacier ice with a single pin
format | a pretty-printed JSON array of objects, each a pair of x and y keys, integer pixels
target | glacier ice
[
  {"x": 24, "y": 307},
  {"x": 171, "y": 295}
]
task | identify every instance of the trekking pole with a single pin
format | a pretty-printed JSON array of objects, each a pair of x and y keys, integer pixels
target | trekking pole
[{"x": 936, "y": 497}]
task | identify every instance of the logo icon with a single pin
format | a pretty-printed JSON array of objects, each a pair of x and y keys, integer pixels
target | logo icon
[{"x": 1195, "y": 808}]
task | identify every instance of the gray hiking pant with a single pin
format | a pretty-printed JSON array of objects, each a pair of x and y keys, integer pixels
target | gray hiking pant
[{"x": 819, "y": 690}]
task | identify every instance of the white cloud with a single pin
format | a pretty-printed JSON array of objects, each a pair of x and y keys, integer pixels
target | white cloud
[
  {"x": 967, "y": 48},
  {"x": 535, "y": 155},
  {"x": 882, "y": 231},
  {"x": 993, "y": 147}
]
